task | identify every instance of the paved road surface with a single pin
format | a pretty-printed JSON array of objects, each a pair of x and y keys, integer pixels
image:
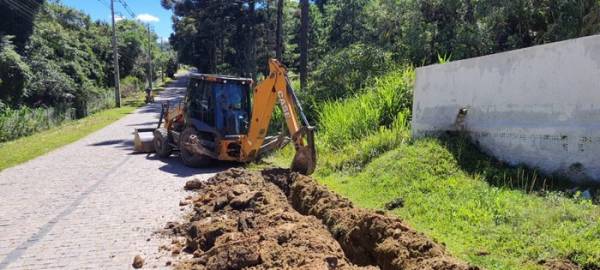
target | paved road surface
[{"x": 92, "y": 204}]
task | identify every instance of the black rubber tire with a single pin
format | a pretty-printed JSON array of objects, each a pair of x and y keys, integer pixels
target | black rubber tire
[
  {"x": 188, "y": 158},
  {"x": 161, "y": 143}
]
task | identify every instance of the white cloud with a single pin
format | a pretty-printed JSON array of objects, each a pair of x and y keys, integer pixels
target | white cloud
[
  {"x": 147, "y": 18},
  {"x": 119, "y": 18}
]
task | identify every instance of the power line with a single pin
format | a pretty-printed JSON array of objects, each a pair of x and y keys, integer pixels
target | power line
[
  {"x": 18, "y": 7},
  {"x": 104, "y": 3},
  {"x": 127, "y": 8},
  {"x": 128, "y": 58},
  {"x": 31, "y": 5}
]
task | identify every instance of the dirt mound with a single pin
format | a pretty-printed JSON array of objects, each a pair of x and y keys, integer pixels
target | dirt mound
[
  {"x": 367, "y": 238},
  {"x": 278, "y": 219},
  {"x": 241, "y": 221}
]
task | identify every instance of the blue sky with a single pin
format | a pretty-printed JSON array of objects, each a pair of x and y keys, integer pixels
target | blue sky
[{"x": 146, "y": 10}]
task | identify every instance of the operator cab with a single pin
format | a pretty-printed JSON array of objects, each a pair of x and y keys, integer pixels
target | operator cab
[{"x": 222, "y": 103}]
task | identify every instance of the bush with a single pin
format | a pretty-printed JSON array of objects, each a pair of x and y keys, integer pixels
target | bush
[
  {"x": 131, "y": 85},
  {"x": 347, "y": 71},
  {"x": 14, "y": 73},
  {"x": 100, "y": 100},
  {"x": 344, "y": 121},
  {"x": 15, "y": 123},
  {"x": 24, "y": 121}
]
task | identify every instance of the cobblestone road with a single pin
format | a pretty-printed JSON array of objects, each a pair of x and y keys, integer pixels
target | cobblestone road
[{"x": 92, "y": 204}]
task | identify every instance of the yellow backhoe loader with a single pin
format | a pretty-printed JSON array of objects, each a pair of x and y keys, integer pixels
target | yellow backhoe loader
[{"x": 224, "y": 118}]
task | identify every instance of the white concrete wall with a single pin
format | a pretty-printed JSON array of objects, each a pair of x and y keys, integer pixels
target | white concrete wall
[{"x": 539, "y": 106}]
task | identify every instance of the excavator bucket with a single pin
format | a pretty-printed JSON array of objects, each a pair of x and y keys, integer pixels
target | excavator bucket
[{"x": 305, "y": 160}]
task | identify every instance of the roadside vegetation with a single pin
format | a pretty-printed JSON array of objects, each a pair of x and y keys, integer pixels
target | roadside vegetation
[
  {"x": 56, "y": 65},
  {"x": 57, "y": 134},
  {"x": 26, "y": 148}
]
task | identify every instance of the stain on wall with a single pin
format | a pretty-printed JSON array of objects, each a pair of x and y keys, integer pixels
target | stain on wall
[{"x": 538, "y": 106}]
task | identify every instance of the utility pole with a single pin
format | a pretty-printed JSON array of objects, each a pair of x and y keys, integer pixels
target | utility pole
[
  {"x": 150, "y": 68},
  {"x": 304, "y": 24},
  {"x": 162, "y": 64},
  {"x": 115, "y": 56}
]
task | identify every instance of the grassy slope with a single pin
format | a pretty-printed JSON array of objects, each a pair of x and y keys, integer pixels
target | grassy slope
[
  {"x": 21, "y": 150},
  {"x": 479, "y": 208},
  {"x": 470, "y": 216},
  {"x": 493, "y": 227}
]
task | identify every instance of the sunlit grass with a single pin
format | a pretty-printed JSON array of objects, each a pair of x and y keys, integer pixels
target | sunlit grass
[
  {"x": 360, "y": 116},
  {"x": 493, "y": 227},
  {"x": 60, "y": 133},
  {"x": 21, "y": 150},
  {"x": 24, "y": 121}
]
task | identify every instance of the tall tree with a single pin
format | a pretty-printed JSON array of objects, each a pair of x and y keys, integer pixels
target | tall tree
[
  {"x": 347, "y": 21},
  {"x": 222, "y": 36},
  {"x": 279, "y": 38},
  {"x": 14, "y": 74},
  {"x": 304, "y": 20},
  {"x": 17, "y": 20},
  {"x": 250, "y": 65}
]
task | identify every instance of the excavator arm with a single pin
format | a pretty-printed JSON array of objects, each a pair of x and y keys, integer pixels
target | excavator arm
[{"x": 276, "y": 88}]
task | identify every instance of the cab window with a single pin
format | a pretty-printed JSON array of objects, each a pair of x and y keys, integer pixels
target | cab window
[{"x": 200, "y": 101}]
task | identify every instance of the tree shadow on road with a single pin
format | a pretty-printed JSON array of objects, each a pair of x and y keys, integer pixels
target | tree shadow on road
[
  {"x": 118, "y": 143},
  {"x": 153, "y": 123},
  {"x": 173, "y": 165}
]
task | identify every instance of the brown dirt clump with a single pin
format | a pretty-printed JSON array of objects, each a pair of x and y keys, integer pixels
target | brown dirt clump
[
  {"x": 560, "y": 265},
  {"x": 240, "y": 221},
  {"x": 367, "y": 237},
  {"x": 138, "y": 262},
  {"x": 193, "y": 185}
]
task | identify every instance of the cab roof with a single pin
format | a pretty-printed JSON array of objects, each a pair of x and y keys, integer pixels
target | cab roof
[{"x": 220, "y": 78}]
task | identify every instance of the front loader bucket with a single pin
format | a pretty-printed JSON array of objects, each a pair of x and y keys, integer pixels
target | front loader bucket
[
  {"x": 143, "y": 140},
  {"x": 305, "y": 160}
]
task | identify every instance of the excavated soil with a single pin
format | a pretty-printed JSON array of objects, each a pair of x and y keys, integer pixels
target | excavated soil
[
  {"x": 276, "y": 219},
  {"x": 560, "y": 265}
]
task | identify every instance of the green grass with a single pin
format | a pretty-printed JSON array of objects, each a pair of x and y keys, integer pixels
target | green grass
[
  {"x": 485, "y": 212},
  {"x": 19, "y": 122},
  {"x": 469, "y": 215},
  {"x": 21, "y": 150},
  {"x": 492, "y": 226},
  {"x": 389, "y": 98}
]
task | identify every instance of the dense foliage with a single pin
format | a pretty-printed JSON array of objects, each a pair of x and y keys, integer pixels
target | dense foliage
[
  {"x": 354, "y": 118},
  {"x": 238, "y": 36},
  {"x": 224, "y": 36},
  {"x": 14, "y": 73},
  {"x": 56, "y": 64}
]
